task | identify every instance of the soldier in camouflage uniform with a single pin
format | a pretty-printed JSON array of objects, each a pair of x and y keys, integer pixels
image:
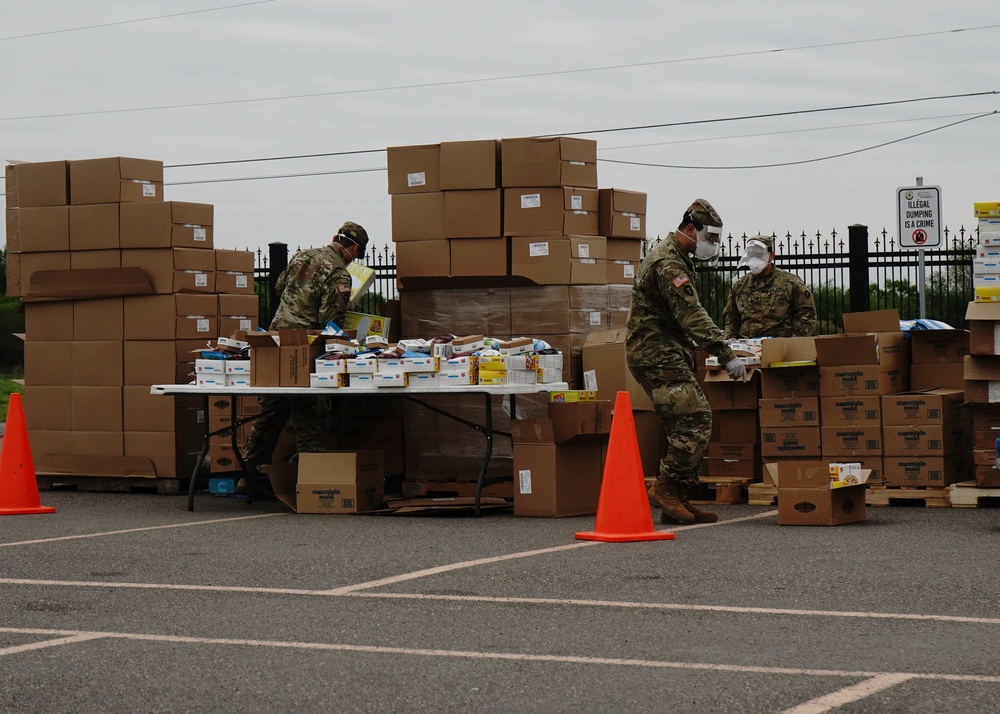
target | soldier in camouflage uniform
[
  {"x": 767, "y": 301},
  {"x": 665, "y": 321},
  {"x": 315, "y": 288}
]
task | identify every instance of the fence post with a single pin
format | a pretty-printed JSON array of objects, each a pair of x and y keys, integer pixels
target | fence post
[
  {"x": 857, "y": 251},
  {"x": 277, "y": 255}
]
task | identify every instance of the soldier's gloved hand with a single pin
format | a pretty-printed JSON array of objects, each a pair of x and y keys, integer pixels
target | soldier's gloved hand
[{"x": 737, "y": 370}]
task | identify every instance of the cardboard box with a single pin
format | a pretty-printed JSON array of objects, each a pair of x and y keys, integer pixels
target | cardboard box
[
  {"x": 556, "y": 161},
  {"x": 723, "y": 393},
  {"x": 115, "y": 180},
  {"x": 143, "y": 411},
  {"x": 554, "y": 211},
  {"x": 48, "y": 364},
  {"x": 736, "y": 426},
  {"x": 102, "y": 319},
  {"x": 414, "y": 169},
  {"x": 731, "y": 468},
  {"x": 950, "y": 375},
  {"x": 935, "y": 406},
  {"x": 472, "y": 214},
  {"x": 927, "y": 471},
  {"x": 652, "y": 441},
  {"x": 48, "y": 408},
  {"x": 32, "y": 185},
  {"x": 806, "y": 498},
  {"x": 35, "y": 230},
  {"x": 470, "y": 164},
  {"x": 927, "y": 439},
  {"x": 424, "y": 258},
  {"x": 485, "y": 257},
  {"x": 149, "y": 362},
  {"x": 559, "y": 260},
  {"x": 851, "y": 411},
  {"x": 94, "y": 227},
  {"x": 984, "y": 328},
  {"x": 938, "y": 346},
  {"x": 96, "y": 408},
  {"x": 21, "y": 267},
  {"x": 863, "y": 379},
  {"x": 789, "y": 382},
  {"x": 982, "y": 378},
  {"x": 567, "y": 421},
  {"x": 172, "y": 224},
  {"x": 604, "y": 354},
  {"x": 417, "y": 216},
  {"x": 845, "y": 441},
  {"x": 238, "y": 312},
  {"x": 331, "y": 482},
  {"x": 169, "y": 317},
  {"x": 789, "y": 441},
  {"x": 557, "y": 480},
  {"x": 174, "y": 270},
  {"x": 48, "y": 321},
  {"x": 872, "y": 338},
  {"x": 622, "y": 214},
  {"x": 234, "y": 272},
  {"x": 282, "y": 362},
  {"x": 783, "y": 351},
  {"x": 800, "y": 411},
  {"x": 173, "y": 454},
  {"x": 97, "y": 363},
  {"x": 94, "y": 259}
]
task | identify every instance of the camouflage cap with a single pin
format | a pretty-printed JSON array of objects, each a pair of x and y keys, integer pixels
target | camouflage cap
[
  {"x": 702, "y": 211},
  {"x": 768, "y": 241},
  {"x": 354, "y": 233}
]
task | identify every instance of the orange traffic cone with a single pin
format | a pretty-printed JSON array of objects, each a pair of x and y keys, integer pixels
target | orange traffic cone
[
  {"x": 623, "y": 508},
  {"x": 18, "y": 485}
]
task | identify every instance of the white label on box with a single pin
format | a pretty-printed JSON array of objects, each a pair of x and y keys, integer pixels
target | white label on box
[
  {"x": 578, "y": 163},
  {"x": 994, "y": 392},
  {"x": 241, "y": 280},
  {"x": 201, "y": 280},
  {"x": 202, "y": 324},
  {"x": 629, "y": 271},
  {"x": 635, "y": 224},
  {"x": 524, "y": 481},
  {"x": 589, "y": 261},
  {"x": 245, "y": 324},
  {"x": 416, "y": 179},
  {"x": 595, "y": 318},
  {"x": 200, "y": 234},
  {"x": 584, "y": 249},
  {"x": 149, "y": 190},
  {"x": 531, "y": 200},
  {"x": 590, "y": 380},
  {"x": 536, "y": 250},
  {"x": 576, "y": 203}
]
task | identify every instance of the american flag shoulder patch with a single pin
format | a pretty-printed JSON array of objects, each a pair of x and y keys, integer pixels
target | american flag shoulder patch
[
  {"x": 344, "y": 288},
  {"x": 680, "y": 280}
]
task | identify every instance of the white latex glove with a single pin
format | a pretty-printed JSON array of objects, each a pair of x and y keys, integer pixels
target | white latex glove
[{"x": 737, "y": 370}]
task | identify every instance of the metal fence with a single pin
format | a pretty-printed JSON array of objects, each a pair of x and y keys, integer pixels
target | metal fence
[{"x": 863, "y": 272}]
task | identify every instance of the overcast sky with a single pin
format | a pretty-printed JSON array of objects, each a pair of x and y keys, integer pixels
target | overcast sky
[{"x": 387, "y": 73}]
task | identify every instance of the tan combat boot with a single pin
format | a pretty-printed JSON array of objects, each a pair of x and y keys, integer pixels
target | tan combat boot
[
  {"x": 665, "y": 495},
  {"x": 700, "y": 514}
]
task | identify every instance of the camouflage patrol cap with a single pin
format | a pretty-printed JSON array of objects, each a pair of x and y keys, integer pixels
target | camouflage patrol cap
[
  {"x": 768, "y": 241},
  {"x": 702, "y": 212},
  {"x": 353, "y": 233}
]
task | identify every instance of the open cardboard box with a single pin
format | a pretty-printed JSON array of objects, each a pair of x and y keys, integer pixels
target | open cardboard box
[
  {"x": 331, "y": 482},
  {"x": 808, "y": 497}
]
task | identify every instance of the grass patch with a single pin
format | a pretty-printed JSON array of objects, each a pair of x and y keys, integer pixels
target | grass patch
[{"x": 9, "y": 386}]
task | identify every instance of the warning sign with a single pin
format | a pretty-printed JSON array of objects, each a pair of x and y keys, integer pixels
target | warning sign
[{"x": 919, "y": 216}]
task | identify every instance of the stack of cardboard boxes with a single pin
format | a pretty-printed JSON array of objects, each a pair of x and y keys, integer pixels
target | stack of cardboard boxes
[
  {"x": 982, "y": 390},
  {"x": 738, "y": 412},
  {"x": 119, "y": 287}
]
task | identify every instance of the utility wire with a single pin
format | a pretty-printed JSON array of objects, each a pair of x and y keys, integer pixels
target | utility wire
[
  {"x": 531, "y": 75},
  {"x": 278, "y": 176},
  {"x": 276, "y": 158},
  {"x": 803, "y": 161},
  {"x": 131, "y": 22}
]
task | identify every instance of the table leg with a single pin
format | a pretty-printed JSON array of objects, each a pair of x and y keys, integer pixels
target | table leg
[{"x": 488, "y": 433}]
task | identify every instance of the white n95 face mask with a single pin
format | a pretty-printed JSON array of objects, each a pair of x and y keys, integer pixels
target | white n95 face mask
[
  {"x": 706, "y": 250},
  {"x": 756, "y": 265}
]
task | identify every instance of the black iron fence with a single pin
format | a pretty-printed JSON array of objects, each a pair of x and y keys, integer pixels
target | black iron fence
[{"x": 861, "y": 272}]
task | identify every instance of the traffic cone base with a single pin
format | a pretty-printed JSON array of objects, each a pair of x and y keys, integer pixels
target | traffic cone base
[
  {"x": 18, "y": 484},
  {"x": 623, "y": 513}
]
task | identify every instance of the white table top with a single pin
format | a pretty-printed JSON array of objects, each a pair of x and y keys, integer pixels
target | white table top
[{"x": 213, "y": 390}]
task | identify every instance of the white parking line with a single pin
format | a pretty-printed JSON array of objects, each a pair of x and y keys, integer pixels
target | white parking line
[
  {"x": 72, "y": 639},
  {"x": 509, "y": 656},
  {"x": 849, "y": 694},
  {"x": 139, "y": 530}
]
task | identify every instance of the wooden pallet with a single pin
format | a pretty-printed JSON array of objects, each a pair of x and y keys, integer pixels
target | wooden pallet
[
  {"x": 898, "y": 496},
  {"x": 168, "y": 486},
  {"x": 716, "y": 490},
  {"x": 968, "y": 495},
  {"x": 762, "y": 494}
]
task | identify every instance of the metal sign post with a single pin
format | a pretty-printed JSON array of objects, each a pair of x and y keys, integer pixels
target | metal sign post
[{"x": 919, "y": 220}]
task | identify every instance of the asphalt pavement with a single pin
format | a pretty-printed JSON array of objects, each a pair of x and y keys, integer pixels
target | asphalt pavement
[{"x": 128, "y": 602}]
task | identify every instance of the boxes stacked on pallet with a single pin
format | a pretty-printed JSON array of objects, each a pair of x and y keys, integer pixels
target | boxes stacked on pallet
[
  {"x": 130, "y": 287},
  {"x": 982, "y": 389}
]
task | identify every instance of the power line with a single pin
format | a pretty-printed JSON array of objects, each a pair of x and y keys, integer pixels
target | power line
[
  {"x": 277, "y": 176},
  {"x": 276, "y": 158},
  {"x": 802, "y": 161},
  {"x": 131, "y": 22},
  {"x": 531, "y": 75}
]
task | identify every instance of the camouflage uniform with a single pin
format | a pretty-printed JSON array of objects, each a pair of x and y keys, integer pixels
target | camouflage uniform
[
  {"x": 665, "y": 318},
  {"x": 774, "y": 305},
  {"x": 315, "y": 288}
]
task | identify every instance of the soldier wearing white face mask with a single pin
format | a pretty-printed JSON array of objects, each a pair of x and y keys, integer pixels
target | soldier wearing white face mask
[{"x": 768, "y": 301}]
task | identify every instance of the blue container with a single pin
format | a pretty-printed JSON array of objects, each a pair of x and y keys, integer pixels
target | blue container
[{"x": 222, "y": 485}]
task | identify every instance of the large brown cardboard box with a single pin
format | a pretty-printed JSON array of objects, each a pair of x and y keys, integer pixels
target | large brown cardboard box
[
  {"x": 173, "y": 453},
  {"x": 114, "y": 180},
  {"x": 927, "y": 471},
  {"x": 805, "y": 496},
  {"x": 559, "y": 260},
  {"x": 856, "y": 349},
  {"x": 554, "y": 161},
  {"x": 723, "y": 393},
  {"x": 417, "y": 216},
  {"x": 622, "y": 213},
  {"x": 982, "y": 378},
  {"x": 473, "y": 214},
  {"x": 48, "y": 363},
  {"x": 94, "y": 227},
  {"x": 883, "y": 326},
  {"x": 96, "y": 408},
  {"x": 94, "y": 259},
  {"x": 148, "y": 362},
  {"x": 48, "y": 408},
  {"x": 554, "y": 211},
  {"x": 414, "y": 169},
  {"x": 238, "y": 312},
  {"x": 101, "y": 319},
  {"x": 557, "y": 480},
  {"x": 33, "y": 230},
  {"x": 331, "y": 482},
  {"x": 423, "y": 259},
  {"x": 851, "y": 411},
  {"x": 98, "y": 443},
  {"x": 844, "y": 441},
  {"x": 97, "y": 363},
  {"x": 470, "y": 164},
  {"x": 984, "y": 335},
  {"x": 172, "y": 224},
  {"x": 143, "y": 411},
  {"x": 234, "y": 272},
  {"x": 21, "y": 266},
  {"x": 800, "y": 411},
  {"x": 604, "y": 354},
  {"x": 480, "y": 257},
  {"x": 32, "y": 185},
  {"x": 736, "y": 426},
  {"x": 863, "y": 379},
  {"x": 780, "y": 380},
  {"x": 48, "y": 320},
  {"x": 933, "y": 406},
  {"x": 938, "y": 346},
  {"x": 928, "y": 439},
  {"x": 174, "y": 270},
  {"x": 169, "y": 317},
  {"x": 287, "y": 364},
  {"x": 788, "y": 441}
]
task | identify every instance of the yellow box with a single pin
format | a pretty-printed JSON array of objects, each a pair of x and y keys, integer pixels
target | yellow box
[
  {"x": 490, "y": 376},
  {"x": 573, "y": 395},
  {"x": 987, "y": 209},
  {"x": 987, "y": 294}
]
